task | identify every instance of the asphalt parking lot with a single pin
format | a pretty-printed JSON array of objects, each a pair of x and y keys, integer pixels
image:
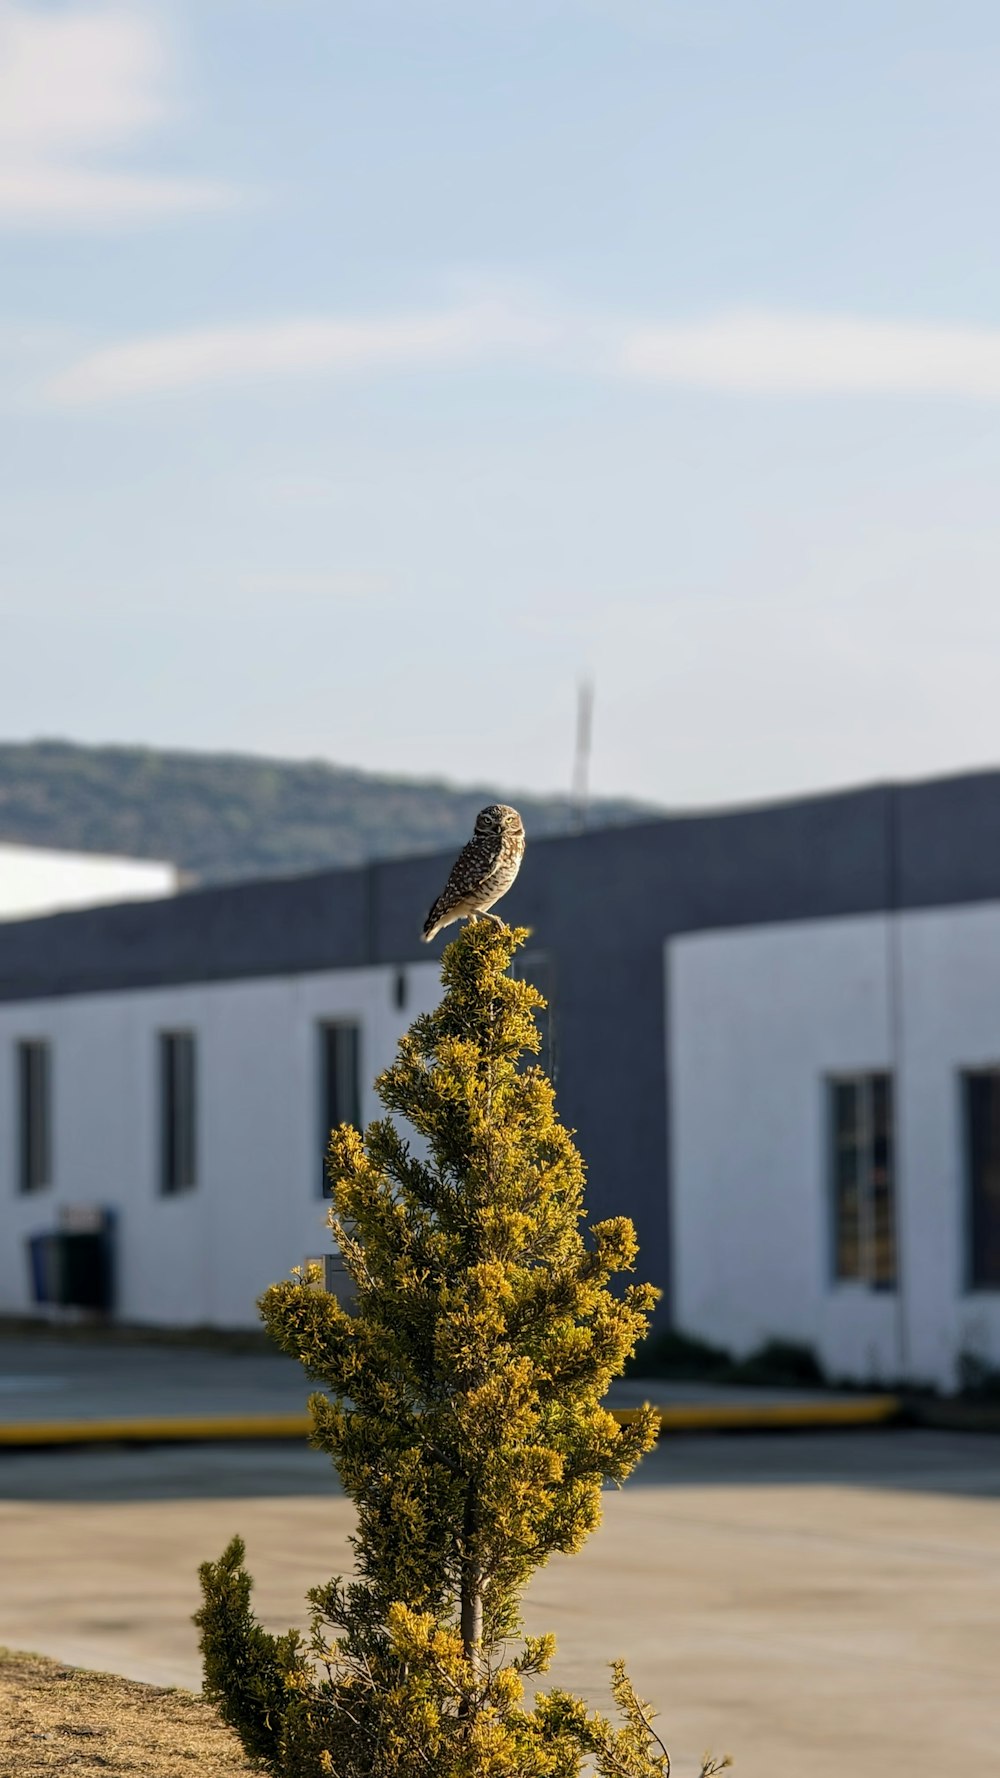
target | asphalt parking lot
[{"x": 813, "y": 1603}]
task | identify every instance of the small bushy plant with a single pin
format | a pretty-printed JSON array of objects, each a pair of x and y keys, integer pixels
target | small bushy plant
[
  {"x": 978, "y": 1379},
  {"x": 776, "y": 1364}
]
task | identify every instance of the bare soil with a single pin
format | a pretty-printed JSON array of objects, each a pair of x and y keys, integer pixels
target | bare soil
[{"x": 94, "y": 1725}]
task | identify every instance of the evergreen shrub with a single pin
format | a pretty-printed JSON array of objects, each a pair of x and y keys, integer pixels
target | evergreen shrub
[{"x": 460, "y": 1400}]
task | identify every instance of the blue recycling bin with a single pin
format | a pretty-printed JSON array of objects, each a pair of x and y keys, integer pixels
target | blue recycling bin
[{"x": 43, "y": 1262}]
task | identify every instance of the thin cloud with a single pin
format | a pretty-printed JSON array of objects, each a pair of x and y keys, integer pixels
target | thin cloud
[
  {"x": 76, "y": 85},
  {"x": 794, "y": 354},
  {"x": 210, "y": 356},
  {"x": 757, "y": 353},
  {"x": 43, "y": 196}
]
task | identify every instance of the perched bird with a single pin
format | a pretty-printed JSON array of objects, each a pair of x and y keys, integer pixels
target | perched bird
[{"x": 483, "y": 871}]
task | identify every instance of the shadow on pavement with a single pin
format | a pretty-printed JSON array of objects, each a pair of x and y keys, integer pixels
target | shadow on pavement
[
  {"x": 917, "y": 1461},
  {"x": 166, "y": 1472},
  {"x": 912, "y": 1459}
]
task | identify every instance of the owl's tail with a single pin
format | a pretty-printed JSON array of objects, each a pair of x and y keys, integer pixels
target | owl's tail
[{"x": 433, "y": 923}]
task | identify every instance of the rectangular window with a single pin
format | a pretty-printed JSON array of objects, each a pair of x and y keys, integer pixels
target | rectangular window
[
  {"x": 339, "y": 1083},
  {"x": 982, "y": 1150},
  {"x": 178, "y": 1111},
  {"x": 34, "y": 1115},
  {"x": 862, "y": 1180}
]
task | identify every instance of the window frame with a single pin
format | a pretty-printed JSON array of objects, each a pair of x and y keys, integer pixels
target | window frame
[
  {"x": 178, "y": 1133},
  {"x": 865, "y": 1082},
  {"x": 970, "y": 1284},
  {"x": 33, "y": 1122},
  {"x": 325, "y": 1027}
]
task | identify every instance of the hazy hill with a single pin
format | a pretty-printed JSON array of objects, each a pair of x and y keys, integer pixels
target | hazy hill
[{"x": 221, "y": 816}]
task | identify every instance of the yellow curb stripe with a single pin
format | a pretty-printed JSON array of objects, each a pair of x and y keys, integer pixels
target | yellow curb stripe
[
  {"x": 211, "y": 1426},
  {"x": 867, "y": 1410}
]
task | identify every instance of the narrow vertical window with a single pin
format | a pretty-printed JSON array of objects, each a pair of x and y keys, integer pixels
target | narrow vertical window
[
  {"x": 862, "y": 1180},
  {"x": 34, "y": 1120},
  {"x": 881, "y": 1186},
  {"x": 339, "y": 1083},
  {"x": 178, "y": 1111},
  {"x": 982, "y": 1149},
  {"x": 845, "y": 1102}
]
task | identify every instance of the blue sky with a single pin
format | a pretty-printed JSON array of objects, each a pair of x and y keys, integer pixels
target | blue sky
[{"x": 371, "y": 372}]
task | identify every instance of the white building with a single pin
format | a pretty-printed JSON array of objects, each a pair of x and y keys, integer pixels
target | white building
[
  {"x": 198, "y": 1115},
  {"x": 38, "y": 880},
  {"x": 775, "y": 1031},
  {"x": 835, "y": 1094}
]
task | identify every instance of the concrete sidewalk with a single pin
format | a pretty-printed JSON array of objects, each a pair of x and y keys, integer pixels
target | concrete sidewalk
[{"x": 75, "y": 1390}]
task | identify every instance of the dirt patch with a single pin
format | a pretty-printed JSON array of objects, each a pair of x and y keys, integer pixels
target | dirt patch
[{"x": 94, "y": 1725}]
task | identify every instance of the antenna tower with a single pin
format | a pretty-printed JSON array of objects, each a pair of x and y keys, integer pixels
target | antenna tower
[{"x": 581, "y": 757}]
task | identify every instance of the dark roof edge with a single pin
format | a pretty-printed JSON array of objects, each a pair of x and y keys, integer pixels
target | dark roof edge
[{"x": 928, "y": 842}]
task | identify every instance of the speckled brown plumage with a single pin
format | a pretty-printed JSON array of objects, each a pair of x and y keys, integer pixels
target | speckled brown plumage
[{"x": 483, "y": 871}]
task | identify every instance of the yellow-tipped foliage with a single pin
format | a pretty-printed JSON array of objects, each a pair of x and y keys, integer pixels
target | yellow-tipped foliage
[{"x": 460, "y": 1400}]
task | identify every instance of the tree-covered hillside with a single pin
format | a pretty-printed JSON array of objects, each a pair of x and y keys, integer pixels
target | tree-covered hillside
[{"x": 221, "y": 816}]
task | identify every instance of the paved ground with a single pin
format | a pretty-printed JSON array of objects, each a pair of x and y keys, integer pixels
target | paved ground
[
  {"x": 73, "y": 1380},
  {"x": 820, "y": 1605}
]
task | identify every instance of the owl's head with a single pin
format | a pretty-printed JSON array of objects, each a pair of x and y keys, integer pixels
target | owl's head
[{"x": 498, "y": 818}]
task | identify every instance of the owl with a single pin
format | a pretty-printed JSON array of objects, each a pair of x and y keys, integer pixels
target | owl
[{"x": 483, "y": 871}]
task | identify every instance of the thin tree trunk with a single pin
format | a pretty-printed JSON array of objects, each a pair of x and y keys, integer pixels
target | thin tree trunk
[
  {"x": 471, "y": 1612},
  {"x": 471, "y": 1623}
]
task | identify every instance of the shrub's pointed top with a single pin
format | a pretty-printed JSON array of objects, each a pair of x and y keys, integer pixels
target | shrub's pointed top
[{"x": 482, "y": 949}]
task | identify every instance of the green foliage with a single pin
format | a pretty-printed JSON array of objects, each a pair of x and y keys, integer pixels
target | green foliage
[
  {"x": 224, "y": 816},
  {"x": 249, "y": 1673},
  {"x": 978, "y": 1379},
  {"x": 776, "y": 1364},
  {"x": 673, "y": 1353},
  {"x": 460, "y": 1401},
  {"x": 781, "y": 1364}
]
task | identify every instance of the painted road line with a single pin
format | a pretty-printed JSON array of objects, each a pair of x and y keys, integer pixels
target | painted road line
[
  {"x": 154, "y": 1430},
  {"x": 867, "y": 1410}
]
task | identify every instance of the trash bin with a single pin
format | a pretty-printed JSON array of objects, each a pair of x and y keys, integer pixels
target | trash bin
[
  {"x": 43, "y": 1261},
  {"x": 85, "y": 1271},
  {"x": 73, "y": 1268},
  {"x": 334, "y": 1277},
  {"x": 338, "y": 1281}
]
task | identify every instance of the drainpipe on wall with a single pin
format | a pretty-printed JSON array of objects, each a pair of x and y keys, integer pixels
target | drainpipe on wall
[
  {"x": 894, "y": 991},
  {"x": 371, "y": 913}
]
